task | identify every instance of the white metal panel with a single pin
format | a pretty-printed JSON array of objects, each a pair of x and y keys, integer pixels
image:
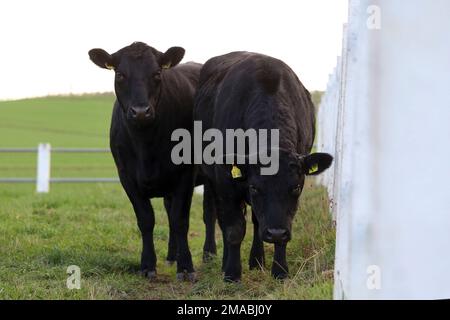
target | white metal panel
[
  {"x": 343, "y": 187},
  {"x": 339, "y": 126},
  {"x": 392, "y": 208}
]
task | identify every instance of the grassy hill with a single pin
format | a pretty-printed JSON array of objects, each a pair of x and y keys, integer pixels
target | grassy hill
[
  {"x": 93, "y": 225},
  {"x": 73, "y": 121}
]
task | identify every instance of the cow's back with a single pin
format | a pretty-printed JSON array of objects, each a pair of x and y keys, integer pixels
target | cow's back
[{"x": 250, "y": 90}]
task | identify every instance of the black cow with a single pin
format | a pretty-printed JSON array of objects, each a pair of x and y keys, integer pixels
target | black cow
[
  {"x": 155, "y": 96},
  {"x": 243, "y": 90}
]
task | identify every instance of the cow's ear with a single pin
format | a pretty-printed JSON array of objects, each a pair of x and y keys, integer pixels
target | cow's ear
[
  {"x": 101, "y": 58},
  {"x": 315, "y": 163},
  {"x": 171, "y": 57}
]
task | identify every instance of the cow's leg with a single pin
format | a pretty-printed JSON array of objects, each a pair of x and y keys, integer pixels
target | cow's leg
[
  {"x": 233, "y": 227},
  {"x": 257, "y": 260},
  {"x": 224, "y": 239},
  {"x": 146, "y": 222},
  {"x": 179, "y": 212},
  {"x": 279, "y": 266},
  {"x": 172, "y": 246},
  {"x": 225, "y": 247},
  {"x": 209, "y": 218}
]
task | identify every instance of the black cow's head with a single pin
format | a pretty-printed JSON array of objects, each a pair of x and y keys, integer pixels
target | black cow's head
[
  {"x": 274, "y": 198},
  {"x": 137, "y": 81}
]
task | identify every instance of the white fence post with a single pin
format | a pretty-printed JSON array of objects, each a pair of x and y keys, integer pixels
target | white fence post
[
  {"x": 43, "y": 168},
  {"x": 391, "y": 181}
]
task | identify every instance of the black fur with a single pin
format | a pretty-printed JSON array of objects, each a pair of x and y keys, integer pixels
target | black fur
[
  {"x": 243, "y": 90},
  {"x": 141, "y": 146}
]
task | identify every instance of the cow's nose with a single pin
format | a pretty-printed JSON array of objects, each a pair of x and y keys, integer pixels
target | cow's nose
[
  {"x": 141, "y": 112},
  {"x": 276, "y": 235}
]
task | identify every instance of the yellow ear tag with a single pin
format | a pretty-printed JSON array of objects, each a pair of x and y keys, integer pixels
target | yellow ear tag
[
  {"x": 108, "y": 66},
  {"x": 166, "y": 66},
  {"x": 236, "y": 172},
  {"x": 313, "y": 168}
]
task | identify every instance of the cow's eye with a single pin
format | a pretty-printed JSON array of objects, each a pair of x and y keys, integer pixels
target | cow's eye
[
  {"x": 253, "y": 190},
  {"x": 295, "y": 191},
  {"x": 120, "y": 76}
]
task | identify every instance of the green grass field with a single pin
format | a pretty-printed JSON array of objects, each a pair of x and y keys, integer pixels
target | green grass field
[{"x": 93, "y": 225}]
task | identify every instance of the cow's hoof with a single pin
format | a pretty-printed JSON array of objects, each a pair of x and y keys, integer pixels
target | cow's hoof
[
  {"x": 256, "y": 264},
  {"x": 232, "y": 279},
  {"x": 280, "y": 275},
  {"x": 191, "y": 277},
  {"x": 186, "y": 276},
  {"x": 208, "y": 256},
  {"x": 279, "y": 272},
  {"x": 149, "y": 274},
  {"x": 170, "y": 262}
]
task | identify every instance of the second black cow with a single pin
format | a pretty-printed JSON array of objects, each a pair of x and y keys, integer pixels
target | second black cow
[{"x": 243, "y": 90}]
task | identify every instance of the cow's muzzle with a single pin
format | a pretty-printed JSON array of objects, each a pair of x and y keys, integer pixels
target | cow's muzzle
[
  {"x": 273, "y": 235},
  {"x": 141, "y": 113}
]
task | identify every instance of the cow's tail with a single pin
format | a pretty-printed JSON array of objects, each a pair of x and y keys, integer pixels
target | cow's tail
[{"x": 269, "y": 77}]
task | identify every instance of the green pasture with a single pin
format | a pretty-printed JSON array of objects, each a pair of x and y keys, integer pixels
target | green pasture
[{"x": 93, "y": 225}]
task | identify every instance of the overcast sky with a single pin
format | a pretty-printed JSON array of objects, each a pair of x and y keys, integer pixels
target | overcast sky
[{"x": 44, "y": 44}]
